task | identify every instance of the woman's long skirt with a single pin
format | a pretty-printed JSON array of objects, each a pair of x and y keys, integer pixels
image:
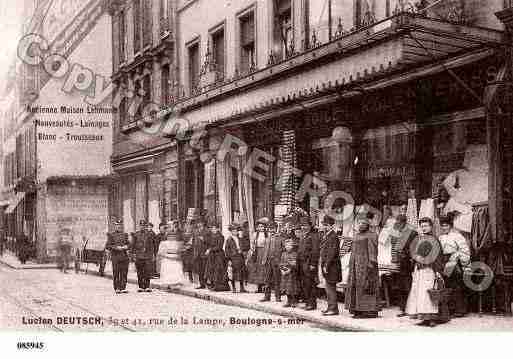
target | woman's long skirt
[
  {"x": 216, "y": 271},
  {"x": 171, "y": 271},
  {"x": 419, "y": 302},
  {"x": 257, "y": 271}
]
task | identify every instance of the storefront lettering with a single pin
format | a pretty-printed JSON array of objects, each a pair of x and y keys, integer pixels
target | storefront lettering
[{"x": 391, "y": 171}]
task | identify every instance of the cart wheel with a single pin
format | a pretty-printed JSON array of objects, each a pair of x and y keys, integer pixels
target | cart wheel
[{"x": 102, "y": 265}]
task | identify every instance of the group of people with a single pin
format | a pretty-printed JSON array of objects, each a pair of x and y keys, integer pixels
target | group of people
[
  {"x": 290, "y": 259},
  {"x": 428, "y": 265}
]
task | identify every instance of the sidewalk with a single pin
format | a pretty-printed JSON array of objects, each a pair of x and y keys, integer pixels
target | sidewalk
[
  {"x": 344, "y": 322},
  {"x": 388, "y": 321},
  {"x": 12, "y": 261}
]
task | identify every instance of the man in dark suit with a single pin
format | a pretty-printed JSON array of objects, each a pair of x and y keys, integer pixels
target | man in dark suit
[
  {"x": 245, "y": 246},
  {"x": 403, "y": 235},
  {"x": 157, "y": 238},
  {"x": 330, "y": 264},
  {"x": 273, "y": 249},
  {"x": 118, "y": 245},
  {"x": 143, "y": 251},
  {"x": 200, "y": 240},
  {"x": 308, "y": 260}
]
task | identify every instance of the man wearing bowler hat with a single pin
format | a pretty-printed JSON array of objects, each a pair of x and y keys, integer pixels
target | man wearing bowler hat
[
  {"x": 330, "y": 264},
  {"x": 142, "y": 249},
  {"x": 118, "y": 245}
]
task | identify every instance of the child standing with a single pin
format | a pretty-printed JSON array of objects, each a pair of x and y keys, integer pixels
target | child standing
[{"x": 289, "y": 278}]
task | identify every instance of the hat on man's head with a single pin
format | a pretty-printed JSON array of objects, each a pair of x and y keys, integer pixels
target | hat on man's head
[
  {"x": 427, "y": 220},
  {"x": 328, "y": 220},
  {"x": 446, "y": 221},
  {"x": 305, "y": 221},
  {"x": 233, "y": 227},
  {"x": 401, "y": 218},
  {"x": 272, "y": 225},
  {"x": 213, "y": 224},
  {"x": 264, "y": 220}
]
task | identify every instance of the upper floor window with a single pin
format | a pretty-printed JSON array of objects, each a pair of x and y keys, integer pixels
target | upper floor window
[
  {"x": 283, "y": 30},
  {"x": 364, "y": 13},
  {"x": 164, "y": 17},
  {"x": 122, "y": 36},
  {"x": 165, "y": 98},
  {"x": 193, "y": 66},
  {"x": 147, "y": 93},
  {"x": 137, "y": 91},
  {"x": 137, "y": 25},
  {"x": 147, "y": 23},
  {"x": 218, "y": 53},
  {"x": 247, "y": 42}
]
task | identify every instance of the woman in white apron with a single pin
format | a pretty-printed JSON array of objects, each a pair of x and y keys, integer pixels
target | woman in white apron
[
  {"x": 171, "y": 271},
  {"x": 427, "y": 253}
]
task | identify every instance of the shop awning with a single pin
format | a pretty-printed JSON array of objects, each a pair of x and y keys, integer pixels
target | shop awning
[{"x": 15, "y": 202}]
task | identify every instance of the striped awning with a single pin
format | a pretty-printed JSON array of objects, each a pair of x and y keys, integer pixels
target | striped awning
[{"x": 15, "y": 202}]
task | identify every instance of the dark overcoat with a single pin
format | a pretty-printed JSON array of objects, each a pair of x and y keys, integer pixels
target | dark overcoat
[{"x": 330, "y": 257}]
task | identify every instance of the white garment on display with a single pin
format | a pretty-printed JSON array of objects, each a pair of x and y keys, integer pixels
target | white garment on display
[
  {"x": 463, "y": 221},
  {"x": 385, "y": 246},
  {"x": 427, "y": 208},
  {"x": 224, "y": 177},
  {"x": 468, "y": 186},
  {"x": 411, "y": 213},
  {"x": 154, "y": 213},
  {"x": 128, "y": 221}
]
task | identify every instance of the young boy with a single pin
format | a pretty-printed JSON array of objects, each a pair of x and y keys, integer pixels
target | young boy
[{"x": 288, "y": 268}]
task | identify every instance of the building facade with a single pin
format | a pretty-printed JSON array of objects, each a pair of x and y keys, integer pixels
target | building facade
[
  {"x": 382, "y": 102},
  {"x": 279, "y": 104},
  {"x": 57, "y": 137},
  {"x": 144, "y": 161}
]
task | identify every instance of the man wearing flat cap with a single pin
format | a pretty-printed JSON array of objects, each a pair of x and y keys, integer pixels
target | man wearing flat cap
[
  {"x": 330, "y": 264},
  {"x": 402, "y": 236},
  {"x": 273, "y": 250},
  {"x": 200, "y": 240},
  {"x": 308, "y": 260},
  {"x": 118, "y": 245},
  {"x": 143, "y": 251}
]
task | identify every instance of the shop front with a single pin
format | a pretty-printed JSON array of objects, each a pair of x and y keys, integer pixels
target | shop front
[{"x": 420, "y": 143}]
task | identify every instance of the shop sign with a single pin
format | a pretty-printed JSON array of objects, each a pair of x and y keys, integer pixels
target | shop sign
[{"x": 406, "y": 171}]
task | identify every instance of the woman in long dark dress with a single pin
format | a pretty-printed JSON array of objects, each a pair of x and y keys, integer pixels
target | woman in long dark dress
[
  {"x": 234, "y": 255},
  {"x": 361, "y": 294},
  {"x": 216, "y": 274},
  {"x": 257, "y": 266}
]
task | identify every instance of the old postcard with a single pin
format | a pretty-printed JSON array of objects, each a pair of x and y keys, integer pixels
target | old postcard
[{"x": 282, "y": 166}]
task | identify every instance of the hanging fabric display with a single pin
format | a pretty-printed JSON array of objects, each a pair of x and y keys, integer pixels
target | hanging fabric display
[
  {"x": 427, "y": 208},
  {"x": 411, "y": 213},
  {"x": 224, "y": 178}
]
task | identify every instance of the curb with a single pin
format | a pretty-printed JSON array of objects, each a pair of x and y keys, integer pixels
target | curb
[
  {"x": 28, "y": 266},
  {"x": 329, "y": 324}
]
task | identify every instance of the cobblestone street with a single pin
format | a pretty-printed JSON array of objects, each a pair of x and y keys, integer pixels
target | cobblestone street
[{"x": 34, "y": 300}]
